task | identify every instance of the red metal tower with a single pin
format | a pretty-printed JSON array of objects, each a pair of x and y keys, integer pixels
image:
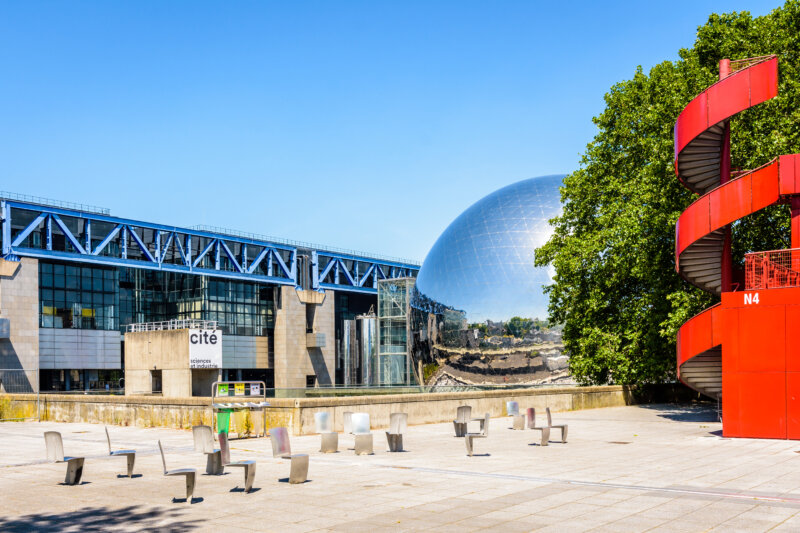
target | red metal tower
[{"x": 742, "y": 349}]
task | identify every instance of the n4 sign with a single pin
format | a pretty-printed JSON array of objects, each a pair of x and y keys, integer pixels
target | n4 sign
[{"x": 750, "y": 298}]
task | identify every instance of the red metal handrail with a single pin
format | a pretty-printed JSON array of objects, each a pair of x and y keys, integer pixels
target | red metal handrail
[{"x": 772, "y": 270}]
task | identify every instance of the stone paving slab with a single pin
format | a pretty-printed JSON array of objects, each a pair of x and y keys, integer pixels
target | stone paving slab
[{"x": 643, "y": 468}]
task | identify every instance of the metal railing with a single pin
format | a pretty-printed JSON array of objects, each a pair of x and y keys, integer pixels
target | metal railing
[
  {"x": 171, "y": 324},
  {"x": 772, "y": 270},
  {"x": 5, "y": 195}
]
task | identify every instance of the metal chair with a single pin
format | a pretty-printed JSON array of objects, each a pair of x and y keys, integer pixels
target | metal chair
[
  {"x": 249, "y": 466},
  {"x": 562, "y": 427},
  {"x": 545, "y": 430},
  {"x": 189, "y": 473},
  {"x": 468, "y": 438},
  {"x": 362, "y": 434},
  {"x": 55, "y": 452},
  {"x": 298, "y": 471},
  {"x": 329, "y": 438},
  {"x": 518, "y": 420},
  {"x": 204, "y": 443},
  {"x": 462, "y": 419},
  {"x": 398, "y": 423},
  {"x": 130, "y": 455}
]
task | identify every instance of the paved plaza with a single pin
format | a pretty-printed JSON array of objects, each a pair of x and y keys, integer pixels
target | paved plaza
[{"x": 643, "y": 468}]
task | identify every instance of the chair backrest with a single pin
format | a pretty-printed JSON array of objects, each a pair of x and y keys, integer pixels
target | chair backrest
[
  {"x": 163, "y": 461},
  {"x": 280, "y": 442},
  {"x": 348, "y": 422},
  {"x": 486, "y": 420},
  {"x": 549, "y": 418},
  {"x": 398, "y": 422},
  {"x": 109, "y": 440},
  {"x": 463, "y": 413},
  {"x": 360, "y": 423},
  {"x": 224, "y": 449},
  {"x": 531, "y": 418},
  {"x": 512, "y": 408},
  {"x": 55, "y": 448},
  {"x": 203, "y": 439},
  {"x": 322, "y": 422}
]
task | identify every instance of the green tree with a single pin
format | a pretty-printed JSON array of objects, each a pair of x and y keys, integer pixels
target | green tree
[
  {"x": 518, "y": 326},
  {"x": 615, "y": 288}
]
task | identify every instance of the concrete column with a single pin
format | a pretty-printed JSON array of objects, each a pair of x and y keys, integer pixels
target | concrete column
[{"x": 19, "y": 288}]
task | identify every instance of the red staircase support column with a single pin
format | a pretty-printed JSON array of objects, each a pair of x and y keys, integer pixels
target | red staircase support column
[{"x": 726, "y": 280}]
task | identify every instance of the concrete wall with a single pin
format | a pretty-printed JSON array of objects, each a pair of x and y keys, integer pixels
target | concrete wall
[
  {"x": 293, "y": 360},
  {"x": 245, "y": 352},
  {"x": 298, "y": 414},
  {"x": 79, "y": 349},
  {"x": 19, "y": 303},
  {"x": 167, "y": 351}
]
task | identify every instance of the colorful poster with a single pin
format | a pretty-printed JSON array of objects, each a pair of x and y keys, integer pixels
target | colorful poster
[
  {"x": 255, "y": 389},
  {"x": 239, "y": 388},
  {"x": 222, "y": 390}
]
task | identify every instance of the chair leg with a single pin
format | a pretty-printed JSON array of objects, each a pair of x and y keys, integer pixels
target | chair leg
[
  {"x": 214, "y": 464},
  {"x": 519, "y": 422},
  {"x": 460, "y": 429},
  {"x": 468, "y": 441},
  {"x": 330, "y": 443},
  {"x": 299, "y": 469},
  {"x": 564, "y": 434},
  {"x": 395, "y": 441},
  {"x": 74, "y": 471},
  {"x": 190, "y": 478},
  {"x": 545, "y": 436},
  {"x": 131, "y": 460},
  {"x": 364, "y": 444},
  {"x": 249, "y": 476}
]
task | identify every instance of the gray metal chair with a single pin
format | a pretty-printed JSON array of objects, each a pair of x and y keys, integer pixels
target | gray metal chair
[
  {"x": 462, "y": 419},
  {"x": 204, "y": 443},
  {"x": 362, "y": 434},
  {"x": 298, "y": 471},
  {"x": 55, "y": 452},
  {"x": 468, "y": 438},
  {"x": 248, "y": 465},
  {"x": 130, "y": 455},
  {"x": 518, "y": 420},
  {"x": 398, "y": 423},
  {"x": 545, "y": 430},
  {"x": 189, "y": 473},
  {"x": 562, "y": 427},
  {"x": 329, "y": 438}
]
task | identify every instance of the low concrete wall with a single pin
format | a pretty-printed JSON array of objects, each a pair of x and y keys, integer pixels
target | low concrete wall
[{"x": 298, "y": 414}]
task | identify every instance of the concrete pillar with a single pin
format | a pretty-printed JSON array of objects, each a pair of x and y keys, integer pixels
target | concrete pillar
[
  {"x": 294, "y": 360},
  {"x": 19, "y": 303}
]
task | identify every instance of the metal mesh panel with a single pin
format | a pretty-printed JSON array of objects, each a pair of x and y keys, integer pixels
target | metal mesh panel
[{"x": 772, "y": 270}]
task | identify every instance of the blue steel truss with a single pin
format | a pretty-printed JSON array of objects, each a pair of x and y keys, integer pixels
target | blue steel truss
[{"x": 33, "y": 230}]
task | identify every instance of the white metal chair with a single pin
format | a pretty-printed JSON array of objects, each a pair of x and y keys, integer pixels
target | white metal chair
[
  {"x": 398, "y": 423},
  {"x": 298, "y": 471},
  {"x": 545, "y": 430},
  {"x": 518, "y": 420},
  {"x": 562, "y": 427},
  {"x": 204, "y": 443},
  {"x": 329, "y": 438},
  {"x": 347, "y": 422},
  {"x": 462, "y": 419},
  {"x": 362, "y": 434},
  {"x": 249, "y": 465},
  {"x": 189, "y": 473},
  {"x": 55, "y": 452},
  {"x": 468, "y": 438},
  {"x": 130, "y": 455}
]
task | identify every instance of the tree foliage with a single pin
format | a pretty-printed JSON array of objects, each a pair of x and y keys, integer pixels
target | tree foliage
[
  {"x": 615, "y": 288},
  {"x": 518, "y": 326}
]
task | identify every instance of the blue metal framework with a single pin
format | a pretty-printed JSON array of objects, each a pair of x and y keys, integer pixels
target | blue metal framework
[{"x": 33, "y": 230}]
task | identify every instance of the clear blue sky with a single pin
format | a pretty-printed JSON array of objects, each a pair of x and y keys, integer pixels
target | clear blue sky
[{"x": 366, "y": 125}]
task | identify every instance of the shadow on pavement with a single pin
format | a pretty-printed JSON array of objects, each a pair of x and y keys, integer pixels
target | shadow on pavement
[
  {"x": 685, "y": 413},
  {"x": 101, "y": 519}
]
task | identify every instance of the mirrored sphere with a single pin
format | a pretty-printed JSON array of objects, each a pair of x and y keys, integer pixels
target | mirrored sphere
[{"x": 482, "y": 266}]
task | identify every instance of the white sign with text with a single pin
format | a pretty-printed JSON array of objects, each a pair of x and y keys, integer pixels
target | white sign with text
[{"x": 205, "y": 348}]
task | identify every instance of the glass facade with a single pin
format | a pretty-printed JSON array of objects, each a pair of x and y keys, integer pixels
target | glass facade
[
  {"x": 74, "y": 296},
  {"x": 394, "y": 366},
  {"x": 78, "y": 297}
]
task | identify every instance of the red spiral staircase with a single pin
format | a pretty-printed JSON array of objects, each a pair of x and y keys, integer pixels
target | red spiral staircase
[{"x": 739, "y": 348}]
